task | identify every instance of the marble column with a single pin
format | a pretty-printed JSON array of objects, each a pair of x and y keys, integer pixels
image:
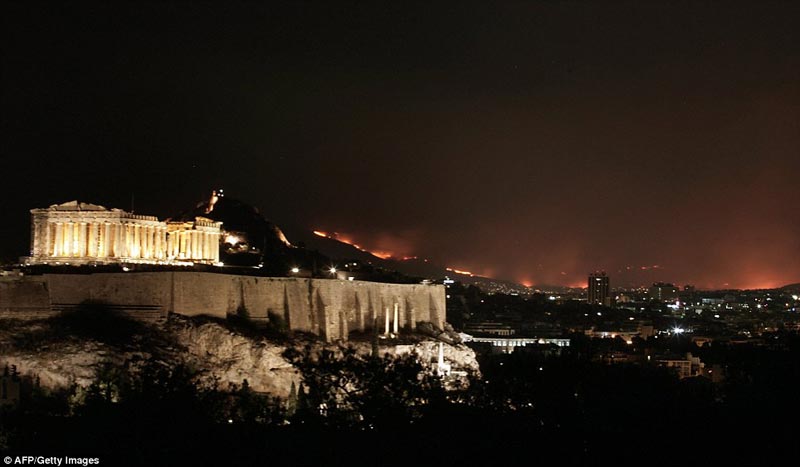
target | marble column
[
  {"x": 119, "y": 240},
  {"x": 94, "y": 239},
  {"x": 170, "y": 245},
  {"x": 164, "y": 240},
  {"x": 137, "y": 240},
  {"x": 81, "y": 239},
  {"x": 142, "y": 241},
  {"x": 117, "y": 246},
  {"x": 72, "y": 241},
  {"x": 193, "y": 235},
  {"x": 119, "y": 232},
  {"x": 154, "y": 242},
  {"x": 49, "y": 245},
  {"x": 106, "y": 239},
  {"x": 68, "y": 230},
  {"x": 146, "y": 243},
  {"x": 91, "y": 240},
  {"x": 58, "y": 246},
  {"x": 157, "y": 243},
  {"x": 130, "y": 245},
  {"x": 44, "y": 239},
  {"x": 67, "y": 236},
  {"x": 76, "y": 239},
  {"x": 113, "y": 240},
  {"x": 151, "y": 240},
  {"x": 215, "y": 247},
  {"x": 126, "y": 240}
]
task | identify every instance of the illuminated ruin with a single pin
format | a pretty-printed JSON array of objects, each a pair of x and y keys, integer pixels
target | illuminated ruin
[{"x": 83, "y": 233}]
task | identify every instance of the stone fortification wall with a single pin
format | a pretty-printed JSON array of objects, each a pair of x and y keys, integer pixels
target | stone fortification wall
[
  {"x": 329, "y": 308},
  {"x": 24, "y": 297}
]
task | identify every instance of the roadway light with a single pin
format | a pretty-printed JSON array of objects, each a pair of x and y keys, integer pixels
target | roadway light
[
  {"x": 332, "y": 270},
  {"x": 295, "y": 270}
]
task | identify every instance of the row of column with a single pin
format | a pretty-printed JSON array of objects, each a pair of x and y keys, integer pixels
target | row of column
[
  {"x": 124, "y": 240},
  {"x": 106, "y": 240},
  {"x": 193, "y": 245}
]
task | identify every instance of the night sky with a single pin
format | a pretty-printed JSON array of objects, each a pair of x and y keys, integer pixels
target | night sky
[{"x": 529, "y": 141}]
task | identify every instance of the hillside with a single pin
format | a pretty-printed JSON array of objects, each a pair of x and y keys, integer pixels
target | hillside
[
  {"x": 414, "y": 267},
  {"x": 74, "y": 349}
]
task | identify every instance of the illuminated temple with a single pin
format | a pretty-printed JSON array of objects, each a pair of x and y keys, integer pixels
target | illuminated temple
[{"x": 81, "y": 233}]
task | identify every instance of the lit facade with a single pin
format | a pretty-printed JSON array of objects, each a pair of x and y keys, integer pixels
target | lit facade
[{"x": 81, "y": 233}]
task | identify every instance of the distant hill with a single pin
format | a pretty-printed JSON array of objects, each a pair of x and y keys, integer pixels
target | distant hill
[
  {"x": 415, "y": 267},
  {"x": 794, "y": 288}
]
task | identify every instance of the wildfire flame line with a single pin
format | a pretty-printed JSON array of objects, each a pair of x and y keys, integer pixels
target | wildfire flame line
[
  {"x": 338, "y": 238},
  {"x": 457, "y": 271}
]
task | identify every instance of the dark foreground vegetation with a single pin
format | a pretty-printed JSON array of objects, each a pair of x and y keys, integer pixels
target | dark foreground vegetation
[{"x": 526, "y": 407}]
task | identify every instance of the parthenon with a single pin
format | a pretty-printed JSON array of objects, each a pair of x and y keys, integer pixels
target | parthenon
[{"x": 80, "y": 233}]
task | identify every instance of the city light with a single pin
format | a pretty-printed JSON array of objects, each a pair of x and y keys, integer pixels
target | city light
[
  {"x": 678, "y": 330},
  {"x": 295, "y": 270},
  {"x": 332, "y": 270}
]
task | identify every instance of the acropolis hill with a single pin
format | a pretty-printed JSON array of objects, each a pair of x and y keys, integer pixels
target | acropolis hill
[
  {"x": 75, "y": 233},
  {"x": 329, "y": 308}
]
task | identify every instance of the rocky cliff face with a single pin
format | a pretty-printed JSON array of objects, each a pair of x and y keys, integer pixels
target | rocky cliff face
[{"x": 217, "y": 353}]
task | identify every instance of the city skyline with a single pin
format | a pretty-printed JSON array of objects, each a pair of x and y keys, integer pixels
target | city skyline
[{"x": 530, "y": 142}]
